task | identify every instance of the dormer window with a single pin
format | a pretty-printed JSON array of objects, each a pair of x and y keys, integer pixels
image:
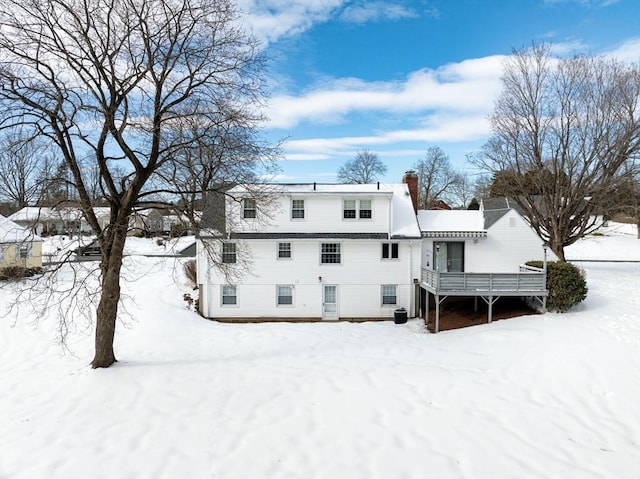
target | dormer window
[{"x": 248, "y": 208}]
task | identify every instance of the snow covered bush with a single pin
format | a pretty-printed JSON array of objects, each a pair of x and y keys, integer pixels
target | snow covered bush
[{"x": 566, "y": 284}]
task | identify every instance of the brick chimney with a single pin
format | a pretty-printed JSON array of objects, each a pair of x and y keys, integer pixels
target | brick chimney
[{"x": 411, "y": 179}]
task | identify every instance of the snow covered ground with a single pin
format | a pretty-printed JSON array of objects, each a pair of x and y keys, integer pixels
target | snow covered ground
[{"x": 541, "y": 396}]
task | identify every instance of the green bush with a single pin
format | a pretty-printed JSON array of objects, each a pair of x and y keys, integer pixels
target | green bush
[{"x": 566, "y": 284}]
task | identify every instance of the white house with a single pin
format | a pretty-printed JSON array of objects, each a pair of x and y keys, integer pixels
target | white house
[{"x": 317, "y": 252}]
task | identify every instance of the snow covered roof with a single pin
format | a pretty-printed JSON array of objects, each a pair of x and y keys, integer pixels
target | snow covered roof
[
  {"x": 31, "y": 213},
  {"x": 320, "y": 188},
  {"x": 404, "y": 223},
  {"x": 452, "y": 223},
  {"x": 11, "y": 232},
  {"x": 34, "y": 214}
]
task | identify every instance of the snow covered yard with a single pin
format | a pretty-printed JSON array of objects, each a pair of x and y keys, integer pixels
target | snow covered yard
[{"x": 542, "y": 396}]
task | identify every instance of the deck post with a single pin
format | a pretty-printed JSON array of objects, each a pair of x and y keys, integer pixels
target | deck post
[
  {"x": 426, "y": 308},
  {"x": 437, "y": 314},
  {"x": 475, "y": 304},
  {"x": 490, "y": 304}
]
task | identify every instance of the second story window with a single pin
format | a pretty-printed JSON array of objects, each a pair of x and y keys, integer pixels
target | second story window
[
  {"x": 297, "y": 209},
  {"x": 356, "y": 209},
  {"x": 228, "y": 252},
  {"x": 349, "y": 209},
  {"x": 365, "y": 209},
  {"x": 389, "y": 250},
  {"x": 330, "y": 253},
  {"x": 248, "y": 208}
]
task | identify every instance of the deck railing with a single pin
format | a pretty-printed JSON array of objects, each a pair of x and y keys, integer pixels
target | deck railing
[{"x": 527, "y": 280}]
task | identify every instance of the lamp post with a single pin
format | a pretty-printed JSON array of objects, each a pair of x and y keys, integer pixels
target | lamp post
[
  {"x": 545, "y": 246},
  {"x": 437, "y": 286}
]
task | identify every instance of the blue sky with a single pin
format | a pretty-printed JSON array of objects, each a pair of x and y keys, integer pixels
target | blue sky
[{"x": 398, "y": 76}]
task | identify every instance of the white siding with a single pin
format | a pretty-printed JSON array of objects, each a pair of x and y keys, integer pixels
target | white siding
[
  {"x": 359, "y": 278},
  {"x": 510, "y": 242},
  {"x": 322, "y": 213}
]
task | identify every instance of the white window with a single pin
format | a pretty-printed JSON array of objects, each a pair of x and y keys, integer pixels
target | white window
[
  {"x": 297, "y": 209},
  {"x": 229, "y": 295},
  {"x": 354, "y": 209},
  {"x": 389, "y": 294},
  {"x": 248, "y": 208},
  {"x": 365, "y": 209},
  {"x": 228, "y": 252},
  {"x": 284, "y": 295},
  {"x": 389, "y": 250},
  {"x": 330, "y": 253},
  {"x": 24, "y": 251},
  {"x": 284, "y": 250},
  {"x": 349, "y": 209}
]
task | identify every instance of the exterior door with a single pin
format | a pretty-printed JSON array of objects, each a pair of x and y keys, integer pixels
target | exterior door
[
  {"x": 329, "y": 302},
  {"x": 449, "y": 256}
]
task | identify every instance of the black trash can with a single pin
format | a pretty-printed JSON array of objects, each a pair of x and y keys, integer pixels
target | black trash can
[{"x": 400, "y": 316}]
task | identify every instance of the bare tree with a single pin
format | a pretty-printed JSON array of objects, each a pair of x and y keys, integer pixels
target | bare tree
[
  {"x": 109, "y": 80},
  {"x": 436, "y": 177},
  {"x": 215, "y": 157},
  {"x": 563, "y": 129},
  {"x": 462, "y": 191},
  {"x": 366, "y": 167},
  {"x": 23, "y": 168}
]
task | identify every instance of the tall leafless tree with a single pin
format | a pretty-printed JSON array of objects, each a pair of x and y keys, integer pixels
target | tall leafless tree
[
  {"x": 564, "y": 131},
  {"x": 436, "y": 177},
  {"x": 366, "y": 167},
  {"x": 23, "y": 168},
  {"x": 109, "y": 80},
  {"x": 215, "y": 157}
]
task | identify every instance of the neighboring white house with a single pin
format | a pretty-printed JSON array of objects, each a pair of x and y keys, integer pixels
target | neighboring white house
[
  {"x": 58, "y": 220},
  {"x": 317, "y": 252},
  {"x": 18, "y": 245}
]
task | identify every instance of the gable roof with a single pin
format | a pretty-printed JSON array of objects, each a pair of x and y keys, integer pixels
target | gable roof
[
  {"x": 11, "y": 232},
  {"x": 492, "y": 216}
]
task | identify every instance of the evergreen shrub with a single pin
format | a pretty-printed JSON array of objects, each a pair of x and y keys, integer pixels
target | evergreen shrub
[{"x": 566, "y": 284}]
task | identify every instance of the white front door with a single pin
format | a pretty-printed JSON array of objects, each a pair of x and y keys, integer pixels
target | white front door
[{"x": 329, "y": 302}]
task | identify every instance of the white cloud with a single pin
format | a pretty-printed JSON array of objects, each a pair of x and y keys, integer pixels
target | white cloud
[
  {"x": 467, "y": 86},
  {"x": 568, "y": 48},
  {"x": 271, "y": 20},
  {"x": 628, "y": 51},
  {"x": 439, "y": 128},
  {"x": 363, "y": 12}
]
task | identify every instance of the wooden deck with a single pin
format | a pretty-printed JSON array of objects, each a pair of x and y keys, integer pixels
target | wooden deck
[{"x": 528, "y": 281}]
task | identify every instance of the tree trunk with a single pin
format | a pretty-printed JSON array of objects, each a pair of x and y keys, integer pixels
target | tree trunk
[
  {"x": 558, "y": 249},
  {"x": 107, "y": 311}
]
